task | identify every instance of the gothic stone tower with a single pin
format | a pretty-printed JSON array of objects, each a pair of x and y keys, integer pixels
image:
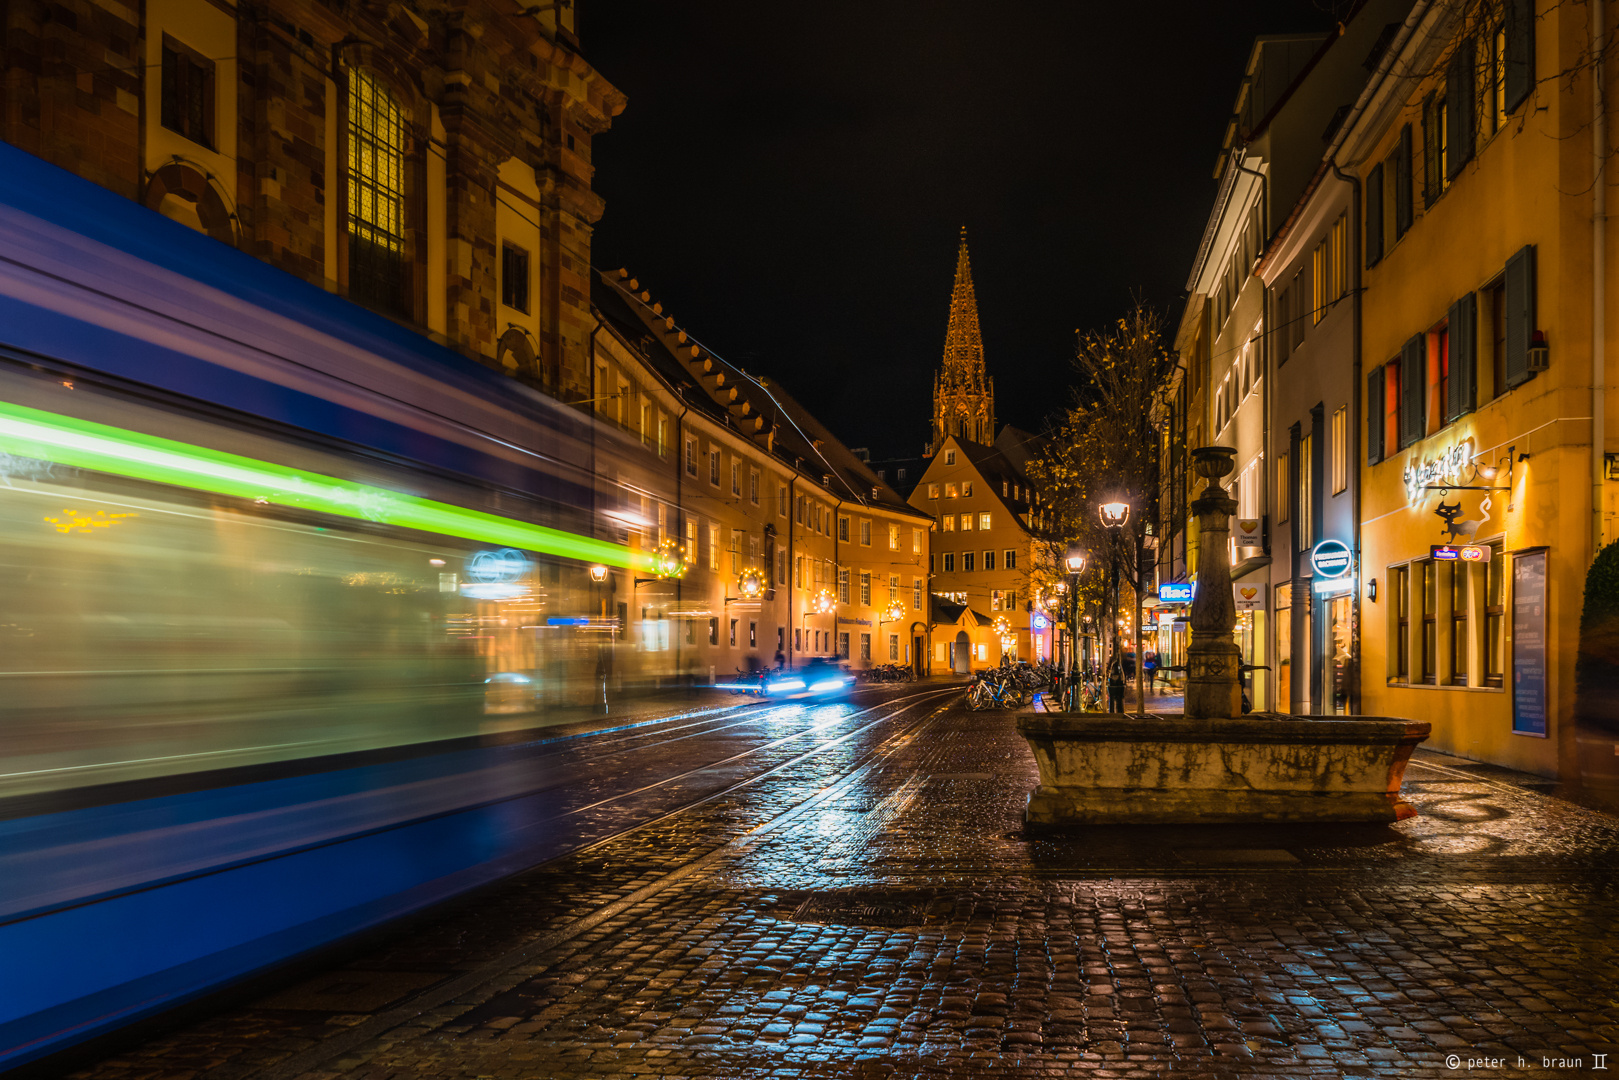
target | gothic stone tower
[{"x": 963, "y": 396}]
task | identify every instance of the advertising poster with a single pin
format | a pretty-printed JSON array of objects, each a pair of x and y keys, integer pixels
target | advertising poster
[{"x": 1529, "y": 643}]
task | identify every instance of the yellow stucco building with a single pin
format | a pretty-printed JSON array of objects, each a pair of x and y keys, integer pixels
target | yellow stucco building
[{"x": 1480, "y": 335}]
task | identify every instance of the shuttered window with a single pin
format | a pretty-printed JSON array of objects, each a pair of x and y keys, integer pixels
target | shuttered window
[
  {"x": 1520, "y": 315},
  {"x": 1413, "y": 369},
  {"x": 1402, "y": 183},
  {"x": 1463, "y": 323},
  {"x": 1374, "y": 215},
  {"x": 1460, "y": 101},
  {"x": 1433, "y": 148},
  {"x": 1374, "y": 416},
  {"x": 1519, "y": 76}
]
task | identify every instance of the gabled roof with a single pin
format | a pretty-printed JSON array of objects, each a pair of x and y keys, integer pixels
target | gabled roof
[
  {"x": 990, "y": 464},
  {"x": 756, "y": 408},
  {"x": 948, "y": 612}
]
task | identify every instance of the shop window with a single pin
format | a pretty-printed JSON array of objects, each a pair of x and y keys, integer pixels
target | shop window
[
  {"x": 1495, "y": 587},
  {"x": 514, "y": 277},
  {"x": 376, "y": 196},
  {"x": 1284, "y": 647},
  {"x": 1400, "y": 599},
  {"x": 981, "y": 651},
  {"x": 1458, "y": 623},
  {"x": 1428, "y": 586},
  {"x": 188, "y": 93}
]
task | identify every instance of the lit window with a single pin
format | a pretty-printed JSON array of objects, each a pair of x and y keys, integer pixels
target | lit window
[
  {"x": 966, "y": 523},
  {"x": 893, "y": 537},
  {"x": 983, "y": 521},
  {"x": 950, "y": 491},
  {"x": 933, "y": 491},
  {"x": 376, "y": 195},
  {"x": 967, "y": 489},
  {"x": 948, "y": 522}
]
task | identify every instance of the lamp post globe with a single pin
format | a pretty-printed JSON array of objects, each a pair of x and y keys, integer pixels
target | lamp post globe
[
  {"x": 1075, "y": 560},
  {"x": 1114, "y": 514}
]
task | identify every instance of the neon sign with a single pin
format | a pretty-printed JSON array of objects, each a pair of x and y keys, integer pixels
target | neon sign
[{"x": 1447, "y": 466}]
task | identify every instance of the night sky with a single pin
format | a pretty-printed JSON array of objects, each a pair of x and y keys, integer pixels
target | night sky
[{"x": 790, "y": 180}]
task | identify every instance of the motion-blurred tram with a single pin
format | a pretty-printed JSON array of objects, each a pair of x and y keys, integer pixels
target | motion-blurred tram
[{"x": 258, "y": 543}]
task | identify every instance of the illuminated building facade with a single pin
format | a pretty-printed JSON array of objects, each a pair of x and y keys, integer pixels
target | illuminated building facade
[{"x": 963, "y": 394}]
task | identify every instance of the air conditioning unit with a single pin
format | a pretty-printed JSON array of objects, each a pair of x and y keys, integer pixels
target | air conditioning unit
[{"x": 1539, "y": 354}]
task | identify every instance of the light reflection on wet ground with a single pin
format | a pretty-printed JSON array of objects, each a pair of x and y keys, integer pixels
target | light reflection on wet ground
[{"x": 903, "y": 925}]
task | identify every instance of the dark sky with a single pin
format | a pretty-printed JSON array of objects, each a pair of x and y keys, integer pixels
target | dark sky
[{"x": 790, "y": 179}]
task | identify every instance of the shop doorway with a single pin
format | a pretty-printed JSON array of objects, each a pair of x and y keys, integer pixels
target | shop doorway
[
  {"x": 961, "y": 654},
  {"x": 1340, "y": 638},
  {"x": 918, "y": 655}
]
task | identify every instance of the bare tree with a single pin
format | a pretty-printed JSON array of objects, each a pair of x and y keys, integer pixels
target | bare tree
[{"x": 1104, "y": 449}]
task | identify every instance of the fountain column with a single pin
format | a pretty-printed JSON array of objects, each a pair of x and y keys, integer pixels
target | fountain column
[{"x": 1213, "y": 661}]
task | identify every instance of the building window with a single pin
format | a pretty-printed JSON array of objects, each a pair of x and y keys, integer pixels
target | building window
[
  {"x": 983, "y": 521},
  {"x": 714, "y": 467},
  {"x": 989, "y": 560},
  {"x": 1435, "y": 147},
  {"x": 949, "y": 562},
  {"x": 1400, "y": 592},
  {"x": 966, "y": 561},
  {"x": 714, "y": 631},
  {"x": 1306, "y": 522},
  {"x": 933, "y": 491},
  {"x": 514, "y": 277},
  {"x": 736, "y": 479},
  {"x": 843, "y": 644},
  {"x": 753, "y": 486},
  {"x": 916, "y": 594},
  {"x": 893, "y": 647},
  {"x": 966, "y": 523},
  {"x": 713, "y": 547},
  {"x": 1340, "y": 449},
  {"x": 188, "y": 93},
  {"x": 948, "y": 523},
  {"x": 1428, "y": 582},
  {"x": 843, "y": 529},
  {"x": 916, "y": 541},
  {"x": 1495, "y": 588},
  {"x": 893, "y": 538},
  {"x": 1009, "y": 559},
  {"x": 865, "y": 588},
  {"x": 753, "y": 634},
  {"x": 949, "y": 457},
  {"x": 893, "y": 588},
  {"x": 733, "y": 632},
  {"x": 376, "y": 196},
  {"x": 691, "y": 542},
  {"x": 967, "y": 489},
  {"x": 843, "y": 586},
  {"x": 950, "y": 491},
  {"x": 1458, "y": 623},
  {"x": 865, "y": 532}
]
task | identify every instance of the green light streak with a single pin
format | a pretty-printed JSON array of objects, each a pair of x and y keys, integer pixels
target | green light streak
[{"x": 83, "y": 444}]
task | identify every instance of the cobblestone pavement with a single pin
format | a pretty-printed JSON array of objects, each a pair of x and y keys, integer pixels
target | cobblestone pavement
[{"x": 878, "y": 912}]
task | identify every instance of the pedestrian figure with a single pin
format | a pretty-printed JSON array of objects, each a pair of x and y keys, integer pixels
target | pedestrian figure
[
  {"x": 1149, "y": 666},
  {"x": 781, "y": 660},
  {"x": 1115, "y": 687}
]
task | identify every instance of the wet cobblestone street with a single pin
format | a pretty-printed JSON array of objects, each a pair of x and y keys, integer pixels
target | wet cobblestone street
[{"x": 876, "y": 910}]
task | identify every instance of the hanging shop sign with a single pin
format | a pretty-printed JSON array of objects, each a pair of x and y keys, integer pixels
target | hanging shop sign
[
  {"x": 1249, "y": 597},
  {"x": 1248, "y": 532},
  {"x": 1459, "y": 552},
  {"x": 1175, "y": 592},
  {"x": 1446, "y": 467},
  {"x": 1529, "y": 644},
  {"x": 1331, "y": 559},
  {"x": 1040, "y": 621}
]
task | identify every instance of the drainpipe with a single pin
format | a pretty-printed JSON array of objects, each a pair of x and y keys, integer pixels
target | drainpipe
[
  {"x": 1354, "y": 425},
  {"x": 1599, "y": 275}
]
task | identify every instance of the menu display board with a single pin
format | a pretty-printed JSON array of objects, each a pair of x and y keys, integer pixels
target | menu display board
[{"x": 1529, "y": 643}]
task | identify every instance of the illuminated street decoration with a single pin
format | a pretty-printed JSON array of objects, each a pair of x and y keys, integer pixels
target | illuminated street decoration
[
  {"x": 83, "y": 444},
  {"x": 1447, "y": 466},
  {"x": 750, "y": 584}
]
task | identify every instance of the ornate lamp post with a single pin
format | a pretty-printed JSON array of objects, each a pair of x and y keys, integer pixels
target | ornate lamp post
[
  {"x": 1074, "y": 561},
  {"x": 1212, "y": 657},
  {"x": 1115, "y": 515}
]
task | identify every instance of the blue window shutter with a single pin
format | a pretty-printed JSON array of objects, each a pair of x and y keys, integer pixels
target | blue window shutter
[
  {"x": 1520, "y": 315},
  {"x": 1520, "y": 52},
  {"x": 1463, "y": 356},
  {"x": 1413, "y": 374},
  {"x": 1375, "y": 414},
  {"x": 1374, "y": 215},
  {"x": 1459, "y": 98}
]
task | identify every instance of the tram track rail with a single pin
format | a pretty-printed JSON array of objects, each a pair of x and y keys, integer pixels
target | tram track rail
[{"x": 497, "y": 974}]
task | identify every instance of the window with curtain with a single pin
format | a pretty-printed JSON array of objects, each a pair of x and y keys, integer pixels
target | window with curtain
[{"x": 376, "y": 196}]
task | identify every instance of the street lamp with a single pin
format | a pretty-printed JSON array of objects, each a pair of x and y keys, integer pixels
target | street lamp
[
  {"x": 1114, "y": 514},
  {"x": 598, "y": 573},
  {"x": 1074, "y": 559}
]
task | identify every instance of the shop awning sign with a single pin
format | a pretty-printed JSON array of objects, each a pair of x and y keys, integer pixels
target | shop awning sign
[
  {"x": 1175, "y": 592},
  {"x": 1249, "y": 597}
]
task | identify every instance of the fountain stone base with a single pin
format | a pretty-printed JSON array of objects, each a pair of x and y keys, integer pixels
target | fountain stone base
[{"x": 1168, "y": 769}]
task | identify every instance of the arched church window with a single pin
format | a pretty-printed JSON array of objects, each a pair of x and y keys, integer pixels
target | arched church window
[{"x": 376, "y": 196}]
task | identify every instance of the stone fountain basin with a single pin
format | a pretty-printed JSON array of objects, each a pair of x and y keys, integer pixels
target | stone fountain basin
[{"x": 1166, "y": 769}]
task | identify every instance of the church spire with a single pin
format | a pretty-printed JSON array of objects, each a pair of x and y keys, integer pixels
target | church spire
[{"x": 963, "y": 395}]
